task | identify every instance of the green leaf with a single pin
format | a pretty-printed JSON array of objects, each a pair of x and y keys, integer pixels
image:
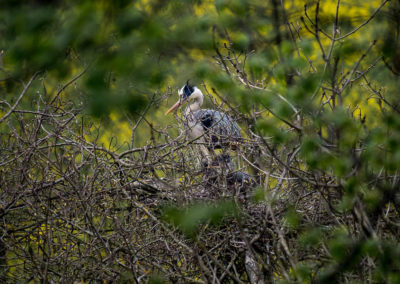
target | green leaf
[
  {"x": 293, "y": 218},
  {"x": 188, "y": 219}
]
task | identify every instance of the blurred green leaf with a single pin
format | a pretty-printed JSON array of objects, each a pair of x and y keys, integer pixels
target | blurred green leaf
[
  {"x": 259, "y": 195},
  {"x": 188, "y": 219},
  {"x": 268, "y": 127},
  {"x": 157, "y": 279},
  {"x": 258, "y": 64},
  {"x": 241, "y": 41},
  {"x": 222, "y": 81},
  {"x": 340, "y": 244},
  {"x": 312, "y": 237},
  {"x": 293, "y": 218},
  {"x": 346, "y": 203},
  {"x": 304, "y": 271}
]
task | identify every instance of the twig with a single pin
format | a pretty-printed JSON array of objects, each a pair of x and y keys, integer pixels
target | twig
[{"x": 19, "y": 98}]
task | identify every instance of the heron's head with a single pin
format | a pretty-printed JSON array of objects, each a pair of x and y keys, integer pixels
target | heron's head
[{"x": 186, "y": 93}]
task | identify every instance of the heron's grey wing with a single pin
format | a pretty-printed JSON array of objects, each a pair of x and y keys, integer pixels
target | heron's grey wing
[{"x": 219, "y": 123}]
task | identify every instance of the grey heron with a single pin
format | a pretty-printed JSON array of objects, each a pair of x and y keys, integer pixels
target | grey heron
[{"x": 213, "y": 128}]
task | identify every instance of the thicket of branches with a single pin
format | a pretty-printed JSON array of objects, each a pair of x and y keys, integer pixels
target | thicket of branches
[{"x": 320, "y": 122}]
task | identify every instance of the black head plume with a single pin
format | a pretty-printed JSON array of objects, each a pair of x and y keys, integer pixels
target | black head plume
[{"x": 187, "y": 90}]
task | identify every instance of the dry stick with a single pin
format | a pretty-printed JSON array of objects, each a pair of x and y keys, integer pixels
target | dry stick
[
  {"x": 390, "y": 67},
  {"x": 279, "y": 96},
  {"x": 282, "y": 239},
  {"x": 67, "y": 84},
  {"x": 93, "y": 146},
  {"x": 251, "y": 85},
  {"x": 205, "y": 250},
  {"x": 264, "y": 172},
  {"x": 361, "y": 74},
  {"x": 348, "y": 80},
  {"x": 38, "y": 113},
  {"x": 228, "y": 267},
  {"x": 289, "y": 28},
  {"x": 251, "y": 251},
  {"x": 246, "y": 82},
  {"x": 297, "y": 29},
  {"x": 326, "y": 58},
  {"x": 296, "y": 174},
  {"x": 170, "y": 232},
  {"x": 336, "y": 17},
  {"x": 317, "y": 32},
  {"x": 219, "y": 53},
  {"x": 279, "y": 185},
  {"x": 19, "y": 98},
  {"x": 349, "y": 33},
  {"x": 141, "y": 118},
  {"x": 334, "y": 39},
  {"x": 364, "y": 23},
  {"x": 334, "y": 31},
  {"x": 380, "y": 95},
  {"x": 203, "y": 266}
]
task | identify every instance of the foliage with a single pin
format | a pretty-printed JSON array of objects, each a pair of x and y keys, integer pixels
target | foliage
[{"x": 97, "y": 185}]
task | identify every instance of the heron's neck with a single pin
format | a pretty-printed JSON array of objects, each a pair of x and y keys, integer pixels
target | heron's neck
[
  {"x": 194, "y": 106},
  {"x": 196, "y": 102}
]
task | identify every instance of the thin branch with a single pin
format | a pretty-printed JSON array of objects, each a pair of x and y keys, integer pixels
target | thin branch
[
  {"x": 365, "y": 22},
  {"x": 19, "y": 98}
]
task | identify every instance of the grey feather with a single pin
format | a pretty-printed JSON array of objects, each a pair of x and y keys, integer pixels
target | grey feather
[{"x": 221, "y": 128}]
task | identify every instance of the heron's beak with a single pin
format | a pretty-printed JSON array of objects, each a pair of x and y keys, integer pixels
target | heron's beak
[{"x": 174, "y": 107}]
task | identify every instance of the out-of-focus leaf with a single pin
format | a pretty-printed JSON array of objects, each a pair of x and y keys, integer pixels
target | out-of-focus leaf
[
  {"x": 188, "y": 219},
  {"x": 292, "y": 218}
]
